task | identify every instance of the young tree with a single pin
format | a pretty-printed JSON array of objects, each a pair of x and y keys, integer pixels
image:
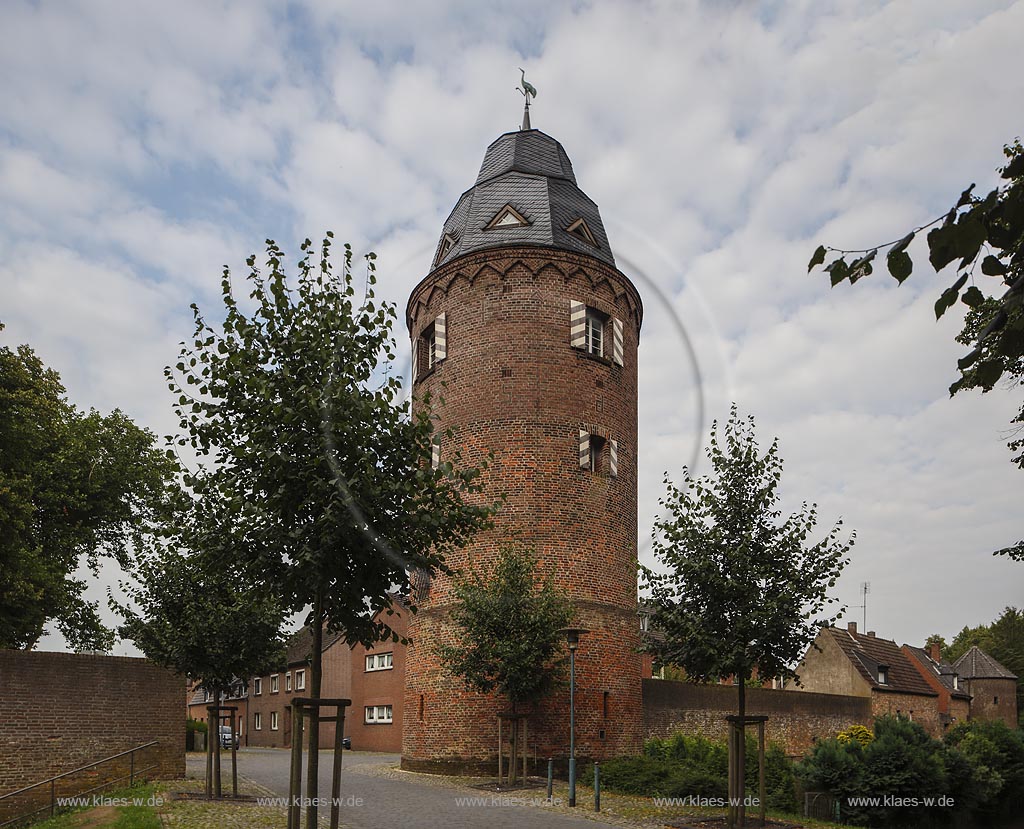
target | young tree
[
  {"x": 739, "y": 588},
  {"x": 74, "y": 487},
  {"x": 295, "y": 406},
  {"x": 198, "y": 613},
  {"x": 509, "y": 626},
  {"x": 978, "y": 233}
]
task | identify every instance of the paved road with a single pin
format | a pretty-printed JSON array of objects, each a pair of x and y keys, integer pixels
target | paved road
[{"x": 388, "y": 803}]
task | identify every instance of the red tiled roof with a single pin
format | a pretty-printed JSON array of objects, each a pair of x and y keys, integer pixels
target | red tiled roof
[{"x": 868, "y": 653}]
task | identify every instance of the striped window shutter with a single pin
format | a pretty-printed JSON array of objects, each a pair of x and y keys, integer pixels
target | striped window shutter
[
  {"x": 435, "y": 453},
  {"x": 584, "y": 449},
  {"x": 617, "y": 341},
  {"x": 413, "y": 343},
  {"x": 613, "y": 458},
  {"x": 577, "y": 323},
  {"x": 440, "y": 338}
]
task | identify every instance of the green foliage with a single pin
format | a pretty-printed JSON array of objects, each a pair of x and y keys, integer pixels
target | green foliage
[
  {"x": 978, "y": 233},
  {"x": 195, "y": 725},
  {"x": 1003, "y": 640},
  {"x": 741, "y": 587},
  {"x": 75, "y": 487},
  {"x": 979, "y": 765},
  {"x": 508, "y": 624},
  {"x": 683, "y": 765},
  {"x": 323, "y": 466}
]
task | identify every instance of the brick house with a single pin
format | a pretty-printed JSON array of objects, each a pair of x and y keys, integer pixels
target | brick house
[
  {"x": 374, "y": 722},
  {"x": 857, "y": 664},
  {"x": 954, "y": 701},
  {"x": 236, "y": 696},
  {"x": 992, "y": 687},
  {"x": 270, "y": 712}
]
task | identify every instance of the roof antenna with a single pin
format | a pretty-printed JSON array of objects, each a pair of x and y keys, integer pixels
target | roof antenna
[{"x": 527, "y": 90}]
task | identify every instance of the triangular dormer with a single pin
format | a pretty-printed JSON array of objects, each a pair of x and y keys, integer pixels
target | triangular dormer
[
  {"x": 508, "y": 216},
  {"x": 581, "y": 230},
  {"x": 447, "y": 243}
]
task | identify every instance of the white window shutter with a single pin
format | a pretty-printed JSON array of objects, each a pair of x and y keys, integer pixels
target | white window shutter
[
  {"x": 584, "y": 449},
  {"x": 440, "y": 338},
  {"x": 577, "y": 323},
  {"x": 435, "y": 453},
  {"x": 414, "y": 342},
  {"x": 613, "y": 458},
  {"x": 617, "y": 341}
]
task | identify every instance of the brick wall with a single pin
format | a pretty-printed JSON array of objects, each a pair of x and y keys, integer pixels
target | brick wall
[
  {"x": 59, "y": 711},
  {"x": 921, "y": 709},
  {"x": 986, "y": 692},
  {"x": 513, "y": 384},
  {"x": 795, "y": 719}
]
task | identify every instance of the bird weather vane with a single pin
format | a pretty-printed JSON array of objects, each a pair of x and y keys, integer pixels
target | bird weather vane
[{"x": 527, "y": 90}]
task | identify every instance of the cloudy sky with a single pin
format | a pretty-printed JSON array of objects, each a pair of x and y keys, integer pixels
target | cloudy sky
[{"x": 145, "y": 145}]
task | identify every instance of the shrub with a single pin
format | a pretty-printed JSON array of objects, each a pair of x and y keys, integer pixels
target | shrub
[
  {"x": 856, "y": 733},
  {"x": 195, "y": 725}
]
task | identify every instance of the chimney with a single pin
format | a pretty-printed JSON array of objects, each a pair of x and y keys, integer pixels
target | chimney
[
  {"x": 871, "y": 633},
  {"x": 852, "y": 627},
  {"x": 934, "y": 652}
]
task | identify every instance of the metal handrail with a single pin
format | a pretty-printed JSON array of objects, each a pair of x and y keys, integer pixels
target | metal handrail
[{"x": 52, "y": 780}]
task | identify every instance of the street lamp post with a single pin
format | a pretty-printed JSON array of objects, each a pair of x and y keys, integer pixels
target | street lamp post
[{"x": 572, "y": 637}]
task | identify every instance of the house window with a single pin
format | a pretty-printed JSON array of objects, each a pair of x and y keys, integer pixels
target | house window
[
  {"x": 273, "y": 721},
  {"x": 257, "y": 687},
  {"x": 883, "y": 674},
  {"x": 379, "y": 661},
  {"x": 288, "y": 681},
  {"x": 300, "y": 680},
  {"x": 274, "y": 684},
  {"x": 378, "y": 714},
  {"x": 257, "y": 721}
]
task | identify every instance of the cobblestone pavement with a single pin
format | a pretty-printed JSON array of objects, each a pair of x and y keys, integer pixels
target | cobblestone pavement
[{"x": 379, "y": 796}]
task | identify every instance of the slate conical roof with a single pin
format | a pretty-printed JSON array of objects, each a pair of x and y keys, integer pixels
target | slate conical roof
[
  {"x": 976, "y": 664},
  {"x": 529, "y": 172}
]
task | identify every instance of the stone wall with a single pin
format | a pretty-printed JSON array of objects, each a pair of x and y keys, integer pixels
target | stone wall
[
  {"x": 795, "y": 719},
  {"x": 60, "y": 711}
]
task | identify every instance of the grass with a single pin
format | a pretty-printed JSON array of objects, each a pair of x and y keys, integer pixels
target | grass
[{"x": 136, "y": 815}]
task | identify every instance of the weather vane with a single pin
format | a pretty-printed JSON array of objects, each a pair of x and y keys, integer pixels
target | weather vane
[{"x": 527, "y": 90}]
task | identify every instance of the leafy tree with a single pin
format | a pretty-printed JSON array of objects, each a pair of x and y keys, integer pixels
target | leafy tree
[
  {"x": 508, "y": 624},
  {"x": 193, "y": 612},
  {"x": 75, "y": 487},
  {"x": 978, "y": 233},
  {"x": 995, "y": 758},
  {"x": 741, "y": 587},
  {"x": 295, "y": 406}
]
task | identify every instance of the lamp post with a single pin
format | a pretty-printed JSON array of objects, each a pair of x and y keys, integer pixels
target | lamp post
[{"x": 572, "y": 637}]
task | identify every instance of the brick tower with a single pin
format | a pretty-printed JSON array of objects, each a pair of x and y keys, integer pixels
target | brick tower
[{"x": 529, "y": 332}]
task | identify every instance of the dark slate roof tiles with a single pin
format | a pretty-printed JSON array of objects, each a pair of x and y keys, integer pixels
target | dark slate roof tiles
[
  {"x": 868, "y": 653},
  {"x": 530, "y": 171},
  {"x": 942, "y": 671},
  {"x": 976, "y": 664}
]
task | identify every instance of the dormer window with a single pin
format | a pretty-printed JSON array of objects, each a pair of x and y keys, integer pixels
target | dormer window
[
  {"x": 581, "y": 230},
  {"x": 883, "y": 674},
  {"x": 508, "y": 216},
  {"x": 447, "y": 243}
]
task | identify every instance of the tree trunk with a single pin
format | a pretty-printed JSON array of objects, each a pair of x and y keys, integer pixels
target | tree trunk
[
  {"x": 215, "y": 728},
  {"x": 315, "y": 673},
  {"x": 742, "y": 750},
  {"x": 513, "y": 748}
]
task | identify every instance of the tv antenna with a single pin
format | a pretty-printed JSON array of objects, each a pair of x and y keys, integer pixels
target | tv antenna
[{"x": 865, "y": 588}]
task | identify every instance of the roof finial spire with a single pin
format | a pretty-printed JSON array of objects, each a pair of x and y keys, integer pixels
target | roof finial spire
[{"x": 527, "y": 90}]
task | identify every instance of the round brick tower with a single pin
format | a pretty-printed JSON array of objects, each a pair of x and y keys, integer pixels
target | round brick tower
[{"x": 529, "y": 332}]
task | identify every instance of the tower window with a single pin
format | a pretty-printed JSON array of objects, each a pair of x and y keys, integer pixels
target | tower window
[
  {"x": 447, "y": 243},
  {"x": 596, "y": 453},
  {"x": 581, "y": 230},
  {"x": 431, "y": 347},
  {"x": 594, "y": 332},
  {"x": 599, "y": 454},
  {"x": 508, "y": 216}
]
